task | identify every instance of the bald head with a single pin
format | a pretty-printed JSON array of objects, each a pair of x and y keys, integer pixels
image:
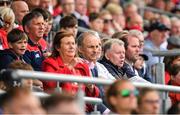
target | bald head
[{"x": 20, "y": 9}]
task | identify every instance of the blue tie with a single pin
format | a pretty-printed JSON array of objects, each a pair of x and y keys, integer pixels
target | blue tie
[{"x": 94, "y": 72}]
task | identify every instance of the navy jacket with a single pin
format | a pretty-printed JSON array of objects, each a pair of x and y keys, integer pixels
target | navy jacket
[
  {"x": 34, "y": 55},
  {"x": 119, "y": 73},
  {"x": 6, "y": 57}
]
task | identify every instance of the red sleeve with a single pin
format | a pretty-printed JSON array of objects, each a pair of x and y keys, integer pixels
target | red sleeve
[
  {"x": 52, "y": 66},
  {"x": 48, "y": 84}
]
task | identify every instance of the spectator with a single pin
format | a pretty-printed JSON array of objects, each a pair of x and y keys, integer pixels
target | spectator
[
  {"x": 157, "y": 36},
  {"x": 114, "y": 57},
  {"x": 68, "y": 8},
  {"x": 139, "y": 66},
  {"x": 63, "y": 61},
  {"x": 89, "y": 47},
  {"x": 20, "y": 9},
  {"x": 34, "y": 85},
  {"x": 169, "y": 5},
  {"x": 130, "y": 9},
  {"x": 94, "y": 6},
  {"x": 17, "y": 41},
  {"x": 169, "y": 62},
  {"x": 175, "y": 27},
  {"x": 46, "y": 4},
  {"x": 7, "y": 19},
  {"x": 134, "y": 22},
  {"x": 33, "y": 25},
  {"x": 80, "y": 13},
  {"x": 174, "y": 109},
  {"x": 95, "y": 22},
  {"x": 32, "y": 4},
  {"x": 159, "y": 4},
  {"x": 117, "y": 14},
  {"x": 173, "y": 42},
  {"x": 148, "y": 102},
  {"x": 62, "y": 104},
  {"x": 20, "y": 101},
  {"x": 56, "y": 8},
  {"x": 5, "y": 3},
  {"x": 175, "y": 81},
  {"x": 132, "y": 50},
  {"x": 69, "y": 23},
  {"x": 140, "y": 36},
  {"x": 121, "y": 97},
  {"x": 132, "y": 47},
  {"x": 48, "y": 21},
  {"x": 165, "y": 20}
]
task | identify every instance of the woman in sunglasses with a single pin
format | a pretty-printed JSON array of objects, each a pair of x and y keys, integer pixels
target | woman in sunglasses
[{"x": 121, "y": 97}]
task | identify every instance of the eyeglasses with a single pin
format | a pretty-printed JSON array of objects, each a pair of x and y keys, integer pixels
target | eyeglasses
[
  {"x": 108, "y": 20},
  {"x": 3, "y": 3},
  {"x": 127, "y": 93},
  {"x": 152, "y": 101}
]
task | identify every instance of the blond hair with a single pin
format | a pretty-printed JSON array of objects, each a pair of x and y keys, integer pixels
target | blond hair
[
  {"x": 114, "y": 9},
  {"x": 7, "y": 14}
]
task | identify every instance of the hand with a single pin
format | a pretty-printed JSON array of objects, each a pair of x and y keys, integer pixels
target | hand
[
  {"x": 116, "y": 26},
  {"x": 46, "y": 54},
  {"x": 74, "y": 62}
]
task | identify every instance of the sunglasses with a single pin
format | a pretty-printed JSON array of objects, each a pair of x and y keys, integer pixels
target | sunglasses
[
  {"x": 108, "y": 20},
  {"x": 152, "y": 101},
  {"x": 2, "y": 3},
  {"x": 127, "y": 93}
]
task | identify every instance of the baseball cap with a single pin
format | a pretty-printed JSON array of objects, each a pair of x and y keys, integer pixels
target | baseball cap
[
  {"x": 174, "y": 40},
  {"x": 145, "y": 57},
  {"x": 158, "y": 26}
]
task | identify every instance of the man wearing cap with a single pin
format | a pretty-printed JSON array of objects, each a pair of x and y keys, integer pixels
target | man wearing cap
[
  {"x": 157, "y": 36},
  {"x": 173, "y": 42}
]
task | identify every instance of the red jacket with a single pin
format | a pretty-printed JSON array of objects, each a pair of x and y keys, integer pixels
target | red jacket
[
  {"x": 56, "y": 65},
  {"x": 3, "y": 39},
  {"x": 175, "y": 97}
]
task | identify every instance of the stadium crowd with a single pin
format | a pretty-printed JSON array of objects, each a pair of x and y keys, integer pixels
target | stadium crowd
[{"x": 44, "y": 35}]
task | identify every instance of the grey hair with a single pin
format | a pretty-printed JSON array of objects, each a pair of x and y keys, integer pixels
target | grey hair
[
  {"x": 81, "y": 37},
  {"x": 108, "y": 44}
]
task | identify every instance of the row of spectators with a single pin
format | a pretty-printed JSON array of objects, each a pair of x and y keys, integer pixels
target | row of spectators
[{"x": 26, "y": 29}]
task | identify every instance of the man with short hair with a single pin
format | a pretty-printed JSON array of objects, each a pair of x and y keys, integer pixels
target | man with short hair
[
  {"x": 20, "y": 9},
  {"x": 119, "y": 58},
  {"x": 80, "y": 12},
  {"x": 62, "y": 104},
  {"x": 20, "y": 101},
  {"x": 94, "y": 6},
  {"x": 89, "y": 47},
  {"x": 114, "y": 57},
  {"x": 33, "y": 25},
  {"x": 157, "y": 36}
]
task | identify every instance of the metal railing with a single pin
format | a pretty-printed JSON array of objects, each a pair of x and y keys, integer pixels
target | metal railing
[
  {"x": 142, "y": 9},
  {"x": 71, "y": 78},
  {"x": 19, "y": 74}
]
